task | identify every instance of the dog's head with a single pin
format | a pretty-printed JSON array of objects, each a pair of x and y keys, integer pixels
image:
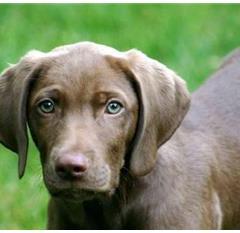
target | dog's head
[{"x": 91, "y": 110}]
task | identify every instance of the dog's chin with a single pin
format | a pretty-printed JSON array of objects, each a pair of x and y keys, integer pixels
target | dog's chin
[{"x": 79, "y": 195}]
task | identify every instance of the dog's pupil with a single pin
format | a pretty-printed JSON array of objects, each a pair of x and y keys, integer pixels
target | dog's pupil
[
  {"x": 47, "y": 106},
  {"x": 114, "y": 107}
]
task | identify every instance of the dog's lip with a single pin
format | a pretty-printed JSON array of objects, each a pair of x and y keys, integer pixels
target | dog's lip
[
  {"x": 70, "y": 189},
  {"x": 73, "y": 186}
]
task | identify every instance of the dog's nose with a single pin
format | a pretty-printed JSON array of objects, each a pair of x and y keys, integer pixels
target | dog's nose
[{"x": 71, "y": 166}]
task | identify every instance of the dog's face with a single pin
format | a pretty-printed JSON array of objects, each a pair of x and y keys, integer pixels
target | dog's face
[
  {"x": 89, "y": 106},
  {"x": 83, "y": 115}
]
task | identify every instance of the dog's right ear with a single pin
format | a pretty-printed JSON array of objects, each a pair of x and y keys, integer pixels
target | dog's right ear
[{"x": 14, "y": 89}]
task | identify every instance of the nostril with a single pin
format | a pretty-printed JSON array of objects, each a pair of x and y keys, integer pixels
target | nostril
[{"x": 79, "y": 169}]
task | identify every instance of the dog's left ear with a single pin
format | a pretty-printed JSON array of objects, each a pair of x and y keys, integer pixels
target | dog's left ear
[
  {"x": 14, "y": 89},
  {"x": 163, "y": 102}
]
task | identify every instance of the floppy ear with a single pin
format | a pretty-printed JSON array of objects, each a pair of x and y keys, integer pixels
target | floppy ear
[
  {"x": 14, "y": 89},
  {"x": 163, "y": 102}
]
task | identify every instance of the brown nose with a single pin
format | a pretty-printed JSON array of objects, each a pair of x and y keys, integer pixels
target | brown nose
[{"x": 71, "y": 167}]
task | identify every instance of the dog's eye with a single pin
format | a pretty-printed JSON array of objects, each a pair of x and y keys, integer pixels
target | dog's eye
[
  {"x": 114, "y": 107},
  {"x": 46, "y": 106}
]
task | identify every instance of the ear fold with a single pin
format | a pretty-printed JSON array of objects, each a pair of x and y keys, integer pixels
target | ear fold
[
  {"x": 163, "y": 102},
  {"x": 14, "y": 88}
]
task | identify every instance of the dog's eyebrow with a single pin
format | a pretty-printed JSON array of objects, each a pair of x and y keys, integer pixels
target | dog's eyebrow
[
  {"x": 47, "y": 92},
  {"x": 104, "y": 95}
]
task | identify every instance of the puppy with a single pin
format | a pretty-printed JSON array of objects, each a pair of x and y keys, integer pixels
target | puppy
[{"x": 102, "y": 120}]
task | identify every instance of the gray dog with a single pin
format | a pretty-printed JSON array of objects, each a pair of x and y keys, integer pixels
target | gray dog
[{"x": 105, "y": 124}]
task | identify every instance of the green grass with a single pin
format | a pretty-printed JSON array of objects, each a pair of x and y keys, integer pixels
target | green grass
[{"x": 191, "y": 39}]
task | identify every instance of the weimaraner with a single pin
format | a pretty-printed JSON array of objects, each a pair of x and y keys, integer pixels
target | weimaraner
[{"x": 105, "y": 124}]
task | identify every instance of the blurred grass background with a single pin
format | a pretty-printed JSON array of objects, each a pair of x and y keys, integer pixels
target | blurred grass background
[{"x": 191, "y": 39}]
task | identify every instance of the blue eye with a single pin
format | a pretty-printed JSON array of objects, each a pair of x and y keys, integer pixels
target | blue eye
[
  {"x": 114, "y": 107},
  {"x": 46, "y": 106}
]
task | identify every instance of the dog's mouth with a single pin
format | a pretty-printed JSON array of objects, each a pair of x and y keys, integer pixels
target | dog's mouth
[
  {"x": 93, "y": 183},
  {"x": 76, "y": 191}
]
